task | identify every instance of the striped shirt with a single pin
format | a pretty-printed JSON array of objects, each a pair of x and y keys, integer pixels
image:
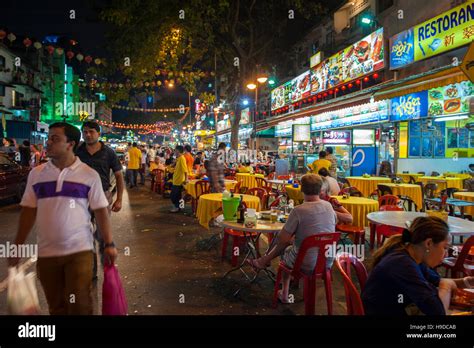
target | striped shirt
[{"x": 62, "y": 199}]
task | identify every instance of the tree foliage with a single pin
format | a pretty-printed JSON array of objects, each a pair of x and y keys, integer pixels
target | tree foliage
[{"x": 188, "y": 35}]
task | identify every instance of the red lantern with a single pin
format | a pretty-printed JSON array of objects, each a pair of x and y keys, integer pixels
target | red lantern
[
  {"x": 69, "y": 54},
  {"x": 366, "y": 79},
  {"x": 50, "y": 49},
  {"x": 3, "y": 34},
  {"x": 319, "y": 96},
  {"x": 337, "y": 90},
  {"x": 27, "y": 42},
  {"x": 376, "y": 76},
  {"x": 343, "y": 88},
  {"x": 88, "y": 59},
  {"x": 357, "y": 82},
  {"x": 325, "y": 94},
  {"x": 350, "y": 85},
  {"x": 331, "y": 92}
]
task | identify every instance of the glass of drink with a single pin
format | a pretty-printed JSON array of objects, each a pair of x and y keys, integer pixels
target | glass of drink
[{"x": 274, "y": 214}]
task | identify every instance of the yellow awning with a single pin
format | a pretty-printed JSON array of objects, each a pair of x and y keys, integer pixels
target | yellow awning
[{"x": 438, "y": 79}]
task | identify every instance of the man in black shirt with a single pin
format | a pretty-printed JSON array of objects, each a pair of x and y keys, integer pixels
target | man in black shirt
[{"x": 102, "y": 159}]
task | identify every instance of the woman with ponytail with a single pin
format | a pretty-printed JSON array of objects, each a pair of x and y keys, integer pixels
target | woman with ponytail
[{"x": 403, "y": 281}]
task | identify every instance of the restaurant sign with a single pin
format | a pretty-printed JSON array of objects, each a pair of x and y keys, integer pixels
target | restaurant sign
[
  {"x": 352, "y": 116},
  {"x": 409, "y": 106},
  {"x": 337, "y": 137},
  {"x": 450, "y": 30},
  {"x": 361, "y": 58}
]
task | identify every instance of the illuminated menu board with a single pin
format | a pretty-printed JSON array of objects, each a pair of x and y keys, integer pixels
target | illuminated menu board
[
  {"x": 356, "y": 115},
  {"x": 361, "y": 58}
]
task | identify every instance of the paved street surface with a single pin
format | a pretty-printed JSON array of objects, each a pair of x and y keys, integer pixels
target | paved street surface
[{"x": 170, "y": 262}]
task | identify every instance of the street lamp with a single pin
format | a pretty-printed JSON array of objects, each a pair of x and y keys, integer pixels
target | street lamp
[{"x": 253, "y": 86}]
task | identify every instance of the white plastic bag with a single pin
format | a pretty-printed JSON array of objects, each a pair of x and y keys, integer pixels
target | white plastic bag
[{"x": 22, "y": 296}]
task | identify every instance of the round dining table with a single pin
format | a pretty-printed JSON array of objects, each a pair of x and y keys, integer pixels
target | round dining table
[
  {"x": 248, "y": 180},
  {"x": 406, "y": 176},
  {"x": 359, "y": 207},
  {"x": 209, "y": 203},
  {"x": 457, "y": 226},
  {"x": 442, "y": 182},
  {"x": 367, "y": 185},
  {"x": 466, "y": 196},
  {"x": 410, "y": 190},
  {"x": 190, "y": 187}
]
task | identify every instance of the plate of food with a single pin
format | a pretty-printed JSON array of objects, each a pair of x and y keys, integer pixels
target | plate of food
[
  {"x": 435, "y": 109},
  {"x": 451, "y": 91},
  {"x": 452, "y": 105},
  {"x": 435, "y": 94},
  {"x": 463, "y": 298}
]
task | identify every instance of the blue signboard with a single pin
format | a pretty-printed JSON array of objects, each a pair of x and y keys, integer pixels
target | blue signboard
[
  {"x": 402, "y": 50},
  {"x": 364, "y": 160},
  {"x": 409, "y": 107}
]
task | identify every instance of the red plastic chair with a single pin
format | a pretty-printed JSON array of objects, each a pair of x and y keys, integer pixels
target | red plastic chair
[
  {"x": 320, "y": 240},
  {"x": 261, "y": 194},
  {"x": 356, "y": 231},
  {"x": 236, "y": 188},
  {"x": 384, "y": 231},
  {"x": 388, "y": 200},
  {"x": 202, "y": 187},
  {"x": 230, "y": 178},
  {"x": 158, "y": 181},
  {"x": 461, "y": 264},
  {"x": 353, "y": 300},
  {"x": 271, "y": 176},
  {"x": 262, "y": 183}
]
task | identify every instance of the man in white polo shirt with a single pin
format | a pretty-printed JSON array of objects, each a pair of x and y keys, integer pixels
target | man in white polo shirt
[{"x": 57, "y": 197}]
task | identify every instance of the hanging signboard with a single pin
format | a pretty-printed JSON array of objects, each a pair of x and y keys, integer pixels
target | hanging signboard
[
  {"x": 337, "y": 137},
  {"x": 450, "y": 30},
  {"x": 301, "y": 133},
  {"x": 361, "y": 58},
  {"x": 245, "y": 116},
  {"x": 409, "y": 106}
]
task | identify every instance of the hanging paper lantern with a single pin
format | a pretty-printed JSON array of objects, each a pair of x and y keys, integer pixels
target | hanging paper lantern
[
  {"x": 79, "y": 57},
  {"x": 50, "y": 49},
  {"x": 59, "y": 51},
  {"x": 147, "y": 84},
  {"x": 27, "y": 42},
  {"x": 158, "y": 83},
  {"x": 3, "y": 34},
  {"x": 153, "y": 83},
  {"x": 11, "y": 37},
  {"x": 157, "y": 72},
  {"x": 73, "y": 42},
  {"x": 88, "y": 59},
  {"x": 120, "y": 85},
  {"x": 37, "y": 45},
  {"x": 97, "y": 61},
  {"x": 134, "y": 85},
  {"x": 98, "y": 85},
  {"x": 69, "y": 54}
]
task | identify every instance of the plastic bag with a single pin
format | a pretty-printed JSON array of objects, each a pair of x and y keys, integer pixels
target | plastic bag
[
  {"x": 22, "y": 296},
  {"x": 114, "y": 301}
]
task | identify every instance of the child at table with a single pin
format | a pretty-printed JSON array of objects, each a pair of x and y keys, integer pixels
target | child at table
[{"x": 403, "y": 281}]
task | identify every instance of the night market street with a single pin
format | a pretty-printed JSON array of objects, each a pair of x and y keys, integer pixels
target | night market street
[{"x": 168, "y": 258}]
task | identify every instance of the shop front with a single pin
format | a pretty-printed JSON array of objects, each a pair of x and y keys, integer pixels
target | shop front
[
  {"x": 360, "y": 136},
  {"x": 436, "y": 129}
]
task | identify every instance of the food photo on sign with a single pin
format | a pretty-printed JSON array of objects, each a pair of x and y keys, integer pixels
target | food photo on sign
[{"x": 450, "y": 99}]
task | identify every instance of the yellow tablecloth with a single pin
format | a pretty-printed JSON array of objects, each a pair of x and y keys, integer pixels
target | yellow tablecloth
[
  {"x": 248, "y": 180},
  {"x": 410, "y": 190},
  {"x": 466, "y": 196},
  {"x": 190, "y": 187},
  {"x": 462, "y": 176},
  {"x": 359, "y": 208},
  {"x": 442, "y": 183},
  {"x": 209, "y": 203},
  {"x": 366, "y": 185},
  {"x": 406, "y": 176},
  {"x": 295, "y": 193}
]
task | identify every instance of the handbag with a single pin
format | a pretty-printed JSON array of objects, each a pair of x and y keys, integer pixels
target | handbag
[
  {"x": 114, "y": 301},
  {"x": 22, "y": 296}
]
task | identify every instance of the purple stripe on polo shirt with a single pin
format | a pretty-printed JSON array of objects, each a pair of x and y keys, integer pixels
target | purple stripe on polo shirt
[{"x": 69, "y": 189}]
